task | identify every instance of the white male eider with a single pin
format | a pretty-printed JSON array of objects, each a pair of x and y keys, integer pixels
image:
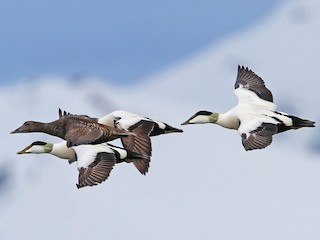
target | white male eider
[
  {"x": 255, "y": 116},
  {"x": 121, "y": 119},
  {"x": 95, "y": 162}
]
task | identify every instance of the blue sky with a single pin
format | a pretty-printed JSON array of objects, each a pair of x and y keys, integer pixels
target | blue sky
[{"x": 122, "y": 41}]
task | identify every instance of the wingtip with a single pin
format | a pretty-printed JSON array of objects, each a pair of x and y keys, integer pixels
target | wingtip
[
  {"x": 243, "y": 68},
  {"x": 142, "y": 166}
]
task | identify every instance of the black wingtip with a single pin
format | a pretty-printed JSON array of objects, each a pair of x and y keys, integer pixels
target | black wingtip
[
  {"x": 243, "y": 68},
  {"x": 142, "y": 166}
]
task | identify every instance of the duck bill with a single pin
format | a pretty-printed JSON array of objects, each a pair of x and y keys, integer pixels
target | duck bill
[
  {"x": 22, "y": 129},
  {"x": 24, "y": 151},
  {"x": 189, "y": 121},
  {"x": 15, "y": 131},
  {"x": 186, "y": 122}
]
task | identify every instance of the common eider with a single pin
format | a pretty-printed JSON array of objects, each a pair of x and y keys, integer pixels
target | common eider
[
  {"x": 255, "y": 117},
  {"x": 121, "y": 119},
  {"x": 94, "y": 162}
]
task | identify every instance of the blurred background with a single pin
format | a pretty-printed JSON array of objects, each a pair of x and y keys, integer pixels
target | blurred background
[
  {"x": 119, "y": 41},
  {"x": 165, "y": 60}
]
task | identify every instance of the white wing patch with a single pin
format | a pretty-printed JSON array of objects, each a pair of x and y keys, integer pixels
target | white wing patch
[
  {"x": 86, "y": 154},
  {"x": 126, "y": 123},
  {"x": 246, "y": 96}
]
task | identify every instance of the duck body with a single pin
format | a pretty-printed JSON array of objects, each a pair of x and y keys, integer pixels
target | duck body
[
  {"x": 121, "y": 119},
  {"x": 94, "y": 162},
  {"x": 75, "y": 130},
  {"x": 255, "y": 117}
]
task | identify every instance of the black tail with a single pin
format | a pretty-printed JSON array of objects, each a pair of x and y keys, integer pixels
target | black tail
[
  {"x": 168, "y": 129},
  {"x": 299, "y": 123},
  {"x": 139, "y": 142},
  {"x": 296, "y": 124}
]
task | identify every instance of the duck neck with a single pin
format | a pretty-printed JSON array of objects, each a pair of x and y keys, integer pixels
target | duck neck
[
  {"x": 228, "y": 120},
  {"x": 49, "y": 128},
  {"x": 62, "y": 151}
]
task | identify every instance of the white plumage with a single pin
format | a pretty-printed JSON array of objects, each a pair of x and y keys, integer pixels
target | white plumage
[
  {"x": 126, "y": 120},
  {"x": 94, "y": 162},
  {"x": 255, "y": 117}
]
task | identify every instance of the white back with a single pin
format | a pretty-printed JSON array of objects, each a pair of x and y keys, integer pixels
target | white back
[{"x": 86, "y": 154}]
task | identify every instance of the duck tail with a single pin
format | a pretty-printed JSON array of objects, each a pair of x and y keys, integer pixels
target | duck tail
[
  {"x": 168, "y": 129},
  {"x": 299, "y": 122},
  {"x": 139, "y": 142}
]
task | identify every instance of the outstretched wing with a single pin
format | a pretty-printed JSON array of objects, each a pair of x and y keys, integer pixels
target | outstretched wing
[
  {"x": 259, "y": 138},
  {"x": 256, "y": 132},
  {"x": 140, "y": 143},
  {"x": 247, "y": 79},
  {"x": 98, "y": 171},
  {"x": 142, "y": 165}
]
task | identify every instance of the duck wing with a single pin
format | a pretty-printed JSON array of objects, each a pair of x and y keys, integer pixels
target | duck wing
[
  {"x": 256, "y": 132},
  {"x": 142, "y": 165},
  {"x": 139, "y": 142},
  {"x": 82, "y": 135},
  {"x": 248, "y": 80},
  {"x": 127, "y": 123},
  {"x": 98, "y": 171},
  {"x": 67, "y": 114}
]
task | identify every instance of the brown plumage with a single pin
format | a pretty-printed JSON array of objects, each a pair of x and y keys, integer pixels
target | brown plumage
[{"x": 98, "y": 171}]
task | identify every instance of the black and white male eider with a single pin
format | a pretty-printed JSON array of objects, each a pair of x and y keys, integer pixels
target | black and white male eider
[
  {"x": 255, "y": 117},
  {"x": 94, "y": 162},
  {"x": 121, "y": 119}
]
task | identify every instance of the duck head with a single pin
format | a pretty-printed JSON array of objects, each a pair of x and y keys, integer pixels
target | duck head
[
  {"x": 202, "y": 117},
  {"x": 37, "y": 147},
  {"x": 29, "y": 126}
]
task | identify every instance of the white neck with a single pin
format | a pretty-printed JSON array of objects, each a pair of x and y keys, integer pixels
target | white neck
[
  {"x": 62, "y": 151},
  {"x": 228, "y": 120}
]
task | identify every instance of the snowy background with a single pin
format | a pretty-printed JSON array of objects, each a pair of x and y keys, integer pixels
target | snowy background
[{"x": 201, "y": 184}]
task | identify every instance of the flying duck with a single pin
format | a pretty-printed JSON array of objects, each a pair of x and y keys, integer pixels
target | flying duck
[
  {"x": 95, "y": 162},
  {"x": 81, "y": 129},
  {"x": 128, "y": 121},
  {"x": 125, "y": 120},
  {"x": 255, "y": 117}
]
